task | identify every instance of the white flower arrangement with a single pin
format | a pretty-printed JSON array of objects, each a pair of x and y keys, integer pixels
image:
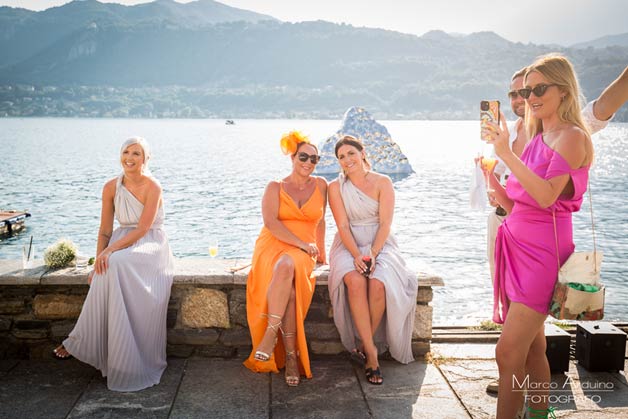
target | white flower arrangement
[{"x": 60, "y": 254}]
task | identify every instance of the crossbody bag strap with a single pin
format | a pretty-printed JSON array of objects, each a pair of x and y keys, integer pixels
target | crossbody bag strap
[
  {"x": 592, "y": 224},
  {"x": 592, "y": 229},
  {"x": 556, "y": 238}
]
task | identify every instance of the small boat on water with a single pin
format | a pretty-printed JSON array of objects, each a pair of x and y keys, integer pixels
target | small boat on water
[
  {"x": 229, "y": 122},
  {"x": 12, "y": 221}
]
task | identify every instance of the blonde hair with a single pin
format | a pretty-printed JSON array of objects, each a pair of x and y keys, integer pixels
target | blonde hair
[
  {"x": 557, "y": 69},
  {"x": 519, "y": 73},
  {"x": 145, "y": 149}
]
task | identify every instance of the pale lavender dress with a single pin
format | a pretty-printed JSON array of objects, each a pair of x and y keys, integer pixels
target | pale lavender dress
[
  {"x": 122, "y": 327},
  {"x": 395, "y": 330},
  {"x": 526, "y": 268}
]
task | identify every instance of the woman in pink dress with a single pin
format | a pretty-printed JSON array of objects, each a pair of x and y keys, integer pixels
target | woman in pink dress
[{"x": 547, "y": 183}]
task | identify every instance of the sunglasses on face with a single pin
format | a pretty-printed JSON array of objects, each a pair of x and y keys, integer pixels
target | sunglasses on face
[
  {"x": 303, "y": 157},
  {"x": 513, "y": 95},
  {"x": 538, "y": 90}
]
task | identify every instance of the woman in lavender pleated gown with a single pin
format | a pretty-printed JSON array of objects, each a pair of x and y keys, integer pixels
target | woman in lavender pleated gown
[
  {"x": 122, "y": 327},
  {"x": 545, "y": 188}
]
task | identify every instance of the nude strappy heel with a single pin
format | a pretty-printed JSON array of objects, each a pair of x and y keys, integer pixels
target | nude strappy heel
[
  {"x": 263, "y": 356},
  {"x": 291, "y": 380}
]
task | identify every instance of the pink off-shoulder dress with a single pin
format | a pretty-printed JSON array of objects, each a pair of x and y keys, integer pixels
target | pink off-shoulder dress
[{"x": 525, "y": 250}]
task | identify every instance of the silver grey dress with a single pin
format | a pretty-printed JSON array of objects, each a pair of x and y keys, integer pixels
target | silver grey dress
[
  {"x": 395, "y": 330},
  {"x": 122, "y": 327}
]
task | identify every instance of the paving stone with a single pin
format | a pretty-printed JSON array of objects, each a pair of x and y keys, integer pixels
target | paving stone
[
  {"x": 464, "y": 351},
  {"x": 43, "y": 389},
  {"x": 220, "y": 388},
  {"x": 593, "y": 390},
  {"x": 417, "y": 390},
  {"x": 469, "y": 379},
  {"x": 333, "y": 392},
  {"x": 216, "y": 351},
  {"x": 154, "y": 402}
]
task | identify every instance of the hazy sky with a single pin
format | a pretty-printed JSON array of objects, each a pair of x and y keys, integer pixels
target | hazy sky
[{"x": 539, "y": 21}]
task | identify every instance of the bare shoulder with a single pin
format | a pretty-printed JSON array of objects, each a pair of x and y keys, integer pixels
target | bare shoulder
[
  {"x": 574, "y": 145},
  {"x": 272, "y": 187},
  {"x": 154, "y": 186},
  {"x": 381, "y": 180},
  {"x": 110, "y": 186},
  {"x": 573, "y": 135},
  {"x": 334, "y": 185},
  {"x": 321, "y": 182}
]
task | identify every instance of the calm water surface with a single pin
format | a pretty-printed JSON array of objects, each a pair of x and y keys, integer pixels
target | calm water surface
[{"x": 214, "y": 175}]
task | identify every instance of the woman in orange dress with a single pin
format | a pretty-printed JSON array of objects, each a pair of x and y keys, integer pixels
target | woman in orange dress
[{"x": 280, "y": 284}]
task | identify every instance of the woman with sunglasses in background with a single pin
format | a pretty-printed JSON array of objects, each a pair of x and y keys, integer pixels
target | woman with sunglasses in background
[
  {"x": 280, "y": 284},
  {"x": 545, "y": 187},
  {"x": 374, "y": 302}
]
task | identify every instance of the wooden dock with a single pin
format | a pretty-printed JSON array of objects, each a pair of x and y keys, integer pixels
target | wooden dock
[{"x": 12, "y": 221}]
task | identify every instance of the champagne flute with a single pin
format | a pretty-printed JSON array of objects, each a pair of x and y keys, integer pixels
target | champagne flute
[
  {"x": 213, "y": 249},
  {"x": 488, "y": 164}
]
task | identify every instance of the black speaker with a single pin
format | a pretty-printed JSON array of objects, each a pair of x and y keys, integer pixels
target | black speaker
[
  {"x": 557, "y": 351},
  {"x": 600, "y": 346}
]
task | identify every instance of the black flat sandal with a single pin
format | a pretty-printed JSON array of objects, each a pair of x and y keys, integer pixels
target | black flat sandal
[
  {"x": 57, "y": 355},
  {"x": 357, "y": 358},
  {"x": 372, "y": 376}
]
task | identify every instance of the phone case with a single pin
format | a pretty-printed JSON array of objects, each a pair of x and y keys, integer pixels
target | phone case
[{"x": 489, "y": 111}]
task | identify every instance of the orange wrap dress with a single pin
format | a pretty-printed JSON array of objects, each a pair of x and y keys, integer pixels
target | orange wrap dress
[{"x": 302, "y": 222}]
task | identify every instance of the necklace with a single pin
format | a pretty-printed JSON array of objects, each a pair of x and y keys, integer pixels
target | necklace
[
  {"x": 302, "y": 187},
  {"x": 558, "y": 128}
]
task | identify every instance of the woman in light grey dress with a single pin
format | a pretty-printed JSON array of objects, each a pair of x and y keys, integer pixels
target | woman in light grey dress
[
  {"x": 122, "y": 327},
  {"x": 375, "y": 308}
]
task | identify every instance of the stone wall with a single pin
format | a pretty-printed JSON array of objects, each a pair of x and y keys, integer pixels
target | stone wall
[{"x": 206, "y": 313}]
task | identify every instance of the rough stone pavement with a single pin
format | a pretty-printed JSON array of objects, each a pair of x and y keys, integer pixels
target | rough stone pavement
[{"x": 451, "y": 386}]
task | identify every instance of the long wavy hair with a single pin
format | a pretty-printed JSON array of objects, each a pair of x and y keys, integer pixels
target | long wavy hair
[{"x": 557, "y": 69}]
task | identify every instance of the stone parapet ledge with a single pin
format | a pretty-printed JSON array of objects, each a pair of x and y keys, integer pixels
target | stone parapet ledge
[
  {"x": 206, "y": 312},
  {"x": 187, "y": 271}
]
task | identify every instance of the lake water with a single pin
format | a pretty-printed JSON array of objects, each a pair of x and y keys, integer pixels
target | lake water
[{"x": 213, "y": 176}]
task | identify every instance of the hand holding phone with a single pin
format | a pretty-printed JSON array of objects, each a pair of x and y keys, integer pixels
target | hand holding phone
[{"x": 489, "y": 112}]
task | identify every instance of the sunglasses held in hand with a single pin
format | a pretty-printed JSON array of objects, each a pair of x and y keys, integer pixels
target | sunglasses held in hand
[
  {"x": 303, "y": 157},
  {"x": 538, "y": 90}
]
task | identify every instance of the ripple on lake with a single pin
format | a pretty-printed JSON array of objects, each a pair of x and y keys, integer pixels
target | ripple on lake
[{"x": 214, "y": 176}]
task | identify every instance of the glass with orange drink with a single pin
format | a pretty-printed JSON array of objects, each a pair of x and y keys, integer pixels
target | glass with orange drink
[{"x": 488, "y": 164}]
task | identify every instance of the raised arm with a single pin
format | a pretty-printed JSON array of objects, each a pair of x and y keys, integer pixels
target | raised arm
[
  {"x": 612, "y": 98},
  {"x": 570, "y": 143}
]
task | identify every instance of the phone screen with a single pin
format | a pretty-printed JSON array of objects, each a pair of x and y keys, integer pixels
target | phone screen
[{"x": 489, "y": 111}]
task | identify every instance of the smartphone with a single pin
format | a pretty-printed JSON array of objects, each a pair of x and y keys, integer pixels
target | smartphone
[{"x": 489, "y": 111}]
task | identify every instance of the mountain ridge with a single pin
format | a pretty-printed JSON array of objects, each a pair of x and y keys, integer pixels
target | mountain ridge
[{"x": 265, "y": 66}]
